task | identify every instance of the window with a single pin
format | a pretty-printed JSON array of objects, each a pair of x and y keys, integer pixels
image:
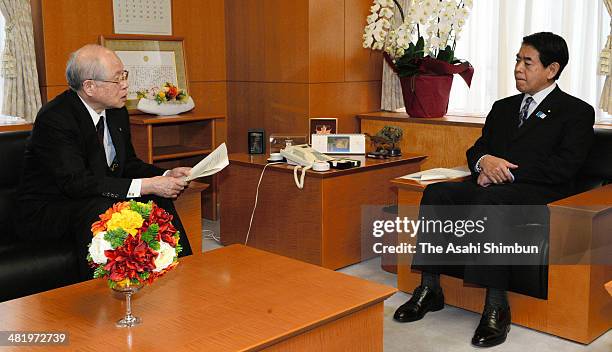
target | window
[{"x": 492, "y": 37}]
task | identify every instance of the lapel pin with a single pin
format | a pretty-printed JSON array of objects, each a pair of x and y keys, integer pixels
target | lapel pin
[{"x": 541, "y": 114}]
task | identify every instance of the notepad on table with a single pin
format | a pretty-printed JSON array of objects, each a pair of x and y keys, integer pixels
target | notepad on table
[{"x": 438, "y": 174}]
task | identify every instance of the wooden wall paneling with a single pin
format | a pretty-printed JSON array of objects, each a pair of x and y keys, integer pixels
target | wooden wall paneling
[
  {"x": 68, "y": 25},
  {"x": 326, "y": 40},
  {"x": 360, "y": 64},
  {"x": 445, "y": 145},
  {"x": 202, "y": 24},
  {"x": 344, "y": 101},
  {"x": 53, "y": 91},
  {"x": 210, "y": 97},
  {"x": 285, "y": 41},
  {"x": 244, "y": 32},
  {"x": 275, "y": 107},
  {"x": 245, "y": 101},
  {"x": 285, "y": 108}
]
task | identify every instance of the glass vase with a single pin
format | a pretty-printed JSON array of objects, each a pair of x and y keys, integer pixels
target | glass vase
[{"x": 128, "y": 320}]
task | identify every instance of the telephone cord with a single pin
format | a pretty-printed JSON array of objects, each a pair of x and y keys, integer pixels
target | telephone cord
[
  {"x": 300, "y": 183},
  {"x": 256, "y": 196}
]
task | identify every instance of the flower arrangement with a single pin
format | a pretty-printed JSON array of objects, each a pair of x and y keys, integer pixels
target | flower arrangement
[
  {"x": 430, "y": 29},
  {"x": 133, "y": 244},
  {"x": 169, "y": 93}
]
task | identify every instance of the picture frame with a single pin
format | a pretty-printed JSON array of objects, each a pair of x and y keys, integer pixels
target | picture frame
[
  {"x": 279, "y": 141},
  {"x": 257, "y": 141},
  {"x": 322, "y": 125},
  {"x": 151, "y": 61}
]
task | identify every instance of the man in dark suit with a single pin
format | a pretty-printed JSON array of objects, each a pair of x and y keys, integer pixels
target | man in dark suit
[
  {"x": 531, "y": 148},
  {"x": 80, "y": 160}
]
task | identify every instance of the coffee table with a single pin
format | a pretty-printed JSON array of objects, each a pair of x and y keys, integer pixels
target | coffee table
[{"x": 235, "y": 298}]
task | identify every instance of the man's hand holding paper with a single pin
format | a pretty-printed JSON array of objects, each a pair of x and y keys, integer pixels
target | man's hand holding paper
[{"x": 213, "y": 163}]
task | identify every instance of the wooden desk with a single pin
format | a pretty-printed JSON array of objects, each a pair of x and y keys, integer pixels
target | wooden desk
[
  {"x": 189, "y": 208},
  {"x": 231, "y": 299},
  {"x": 320, "y": 224}
]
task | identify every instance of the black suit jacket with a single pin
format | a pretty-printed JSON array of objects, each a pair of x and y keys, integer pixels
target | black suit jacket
[
  {"x": 64, "y": 160},
  {"x": 549, "y": 151}
]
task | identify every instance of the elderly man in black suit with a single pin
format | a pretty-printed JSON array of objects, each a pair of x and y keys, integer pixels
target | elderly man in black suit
[
  {"x": 531, "y": 148},
  {"x": 80, "y": 159}
]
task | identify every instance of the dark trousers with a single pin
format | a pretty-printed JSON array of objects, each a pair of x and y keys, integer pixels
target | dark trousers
[
  {"x": 71, "y": 220},
  {"x": 501, "y": 204}
]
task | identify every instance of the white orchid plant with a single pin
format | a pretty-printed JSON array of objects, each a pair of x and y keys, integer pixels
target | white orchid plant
[{"x": 429, "y": 28}]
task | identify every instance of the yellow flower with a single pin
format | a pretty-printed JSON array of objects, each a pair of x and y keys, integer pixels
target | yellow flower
[
  {"x": 124, "y": 283},
  {"x": 127, "y": 219},
  {"x": 161, "y": 95}
]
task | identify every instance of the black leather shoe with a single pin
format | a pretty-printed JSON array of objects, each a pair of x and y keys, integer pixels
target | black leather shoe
[
  {"x": 424, "y": 299},
  {"x": 493, "y": 328}
]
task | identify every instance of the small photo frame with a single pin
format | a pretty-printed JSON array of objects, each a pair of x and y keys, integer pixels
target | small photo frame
[
  {"x": 327, "y": 125},
  {"x": 257, "y": 141}
]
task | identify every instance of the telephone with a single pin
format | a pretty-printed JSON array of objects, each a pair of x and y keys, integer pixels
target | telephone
[{"x": 302, "y": 156}]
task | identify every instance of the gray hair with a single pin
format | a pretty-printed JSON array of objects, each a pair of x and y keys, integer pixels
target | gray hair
[{"x": 85, "y": 64}]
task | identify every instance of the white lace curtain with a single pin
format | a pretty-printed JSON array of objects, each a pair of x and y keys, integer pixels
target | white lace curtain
[
  {"x": 391, "y": 98},
  {"x": 605, "y": 68},
  {"x": 18, "y": 61}
]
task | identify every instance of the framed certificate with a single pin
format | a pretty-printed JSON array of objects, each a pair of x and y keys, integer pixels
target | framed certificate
[{"x": 151, "y": 61}]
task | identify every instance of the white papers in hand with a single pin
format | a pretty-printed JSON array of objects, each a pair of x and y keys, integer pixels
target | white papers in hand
[
  {"x": 213, "y": 163},
  {"x": 438, "y": 174}
]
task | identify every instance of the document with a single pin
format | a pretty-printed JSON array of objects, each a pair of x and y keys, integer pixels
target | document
[
  {"x": 213, "y": 163},
  {"x": 439, "y": 174}
]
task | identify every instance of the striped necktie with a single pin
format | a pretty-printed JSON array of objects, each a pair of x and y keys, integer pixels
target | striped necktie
[{"x": 524, "y": 113}]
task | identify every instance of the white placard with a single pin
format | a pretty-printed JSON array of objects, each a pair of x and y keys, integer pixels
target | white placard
[
  {"x": 148, "y": 69},
  {"x": 143, "y": 17}
]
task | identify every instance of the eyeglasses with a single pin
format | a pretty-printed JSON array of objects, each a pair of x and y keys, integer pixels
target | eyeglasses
[{"x": 122, "y": 78}]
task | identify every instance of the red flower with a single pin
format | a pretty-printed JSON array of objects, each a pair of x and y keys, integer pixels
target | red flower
[
  {"x": 172, "y": 92},
  {"x": 166, "y": 233},
  {"x": 159, "y": 216},
  {"x": 127, "y": 261}
]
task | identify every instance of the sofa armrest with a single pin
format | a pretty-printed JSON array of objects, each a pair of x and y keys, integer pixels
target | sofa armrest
[
  {"x": 594, "y": 201},
  {"x": 578, "y": 226}
]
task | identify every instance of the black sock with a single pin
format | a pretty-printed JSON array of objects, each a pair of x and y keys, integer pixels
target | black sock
[
  {"x": 430, "y": 280},
  {"x": 496, "y": 298}
]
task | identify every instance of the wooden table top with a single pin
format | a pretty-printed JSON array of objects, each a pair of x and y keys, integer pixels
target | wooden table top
[
  {"x": 367, "y": 164},
  {"x": 148, "y": 119},
  {"x": 233, "y": 298},
  {"x": 10, "y": 127}
]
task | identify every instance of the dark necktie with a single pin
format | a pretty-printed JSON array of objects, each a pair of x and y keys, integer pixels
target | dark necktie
[
  {"x": 100, "y": 130},
  {"x": 524, "y": 113}
]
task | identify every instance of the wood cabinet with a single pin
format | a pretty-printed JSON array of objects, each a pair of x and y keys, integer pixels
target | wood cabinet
[
  {"x": 320, "y": 224},
  {"x": 179, "y": 140}
]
